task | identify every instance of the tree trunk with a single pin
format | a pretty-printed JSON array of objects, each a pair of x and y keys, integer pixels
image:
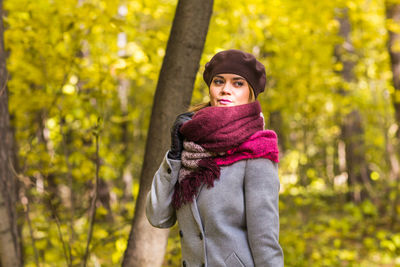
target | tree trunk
[
  {"x": 123, "y": 93},
  {"x": 146, "y": 245},
  {"x": 351, "y": 128},
  {"x": 10, "y": 251},
  {"x": 276, "y": 124},
  {"x": 393, "y": 13}
]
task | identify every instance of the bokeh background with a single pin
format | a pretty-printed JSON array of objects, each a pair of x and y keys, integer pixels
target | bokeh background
[{"x": 86, "y": 70}]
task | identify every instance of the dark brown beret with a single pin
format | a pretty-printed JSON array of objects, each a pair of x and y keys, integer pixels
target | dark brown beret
[{"x": 239, "y": 63}]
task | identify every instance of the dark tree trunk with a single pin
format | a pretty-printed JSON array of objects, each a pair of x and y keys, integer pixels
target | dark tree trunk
[
  {"x": 146, "y": 245},
  {"x": 10, "y": 250},
  {"x": 126, "y": 169},
  {"x": 276, "y": 124},
  {"x": 358, "y": 174},
  {"x": 351, "y": 128},
  {"x": 105, "y": 199},
  {"x": 393, "y": 13}
]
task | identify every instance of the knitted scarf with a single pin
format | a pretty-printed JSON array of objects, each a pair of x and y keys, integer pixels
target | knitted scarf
[{"x": 220, "y": 136}]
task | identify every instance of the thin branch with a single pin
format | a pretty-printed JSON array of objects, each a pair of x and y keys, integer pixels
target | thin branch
[
  {"x": 95, "y": 196},
  {"x": 65, "y": 245},
  {"x": 27, "y": 183},
  {"x": 25, "y": 202},
  {"x": 70, "y": 185}
]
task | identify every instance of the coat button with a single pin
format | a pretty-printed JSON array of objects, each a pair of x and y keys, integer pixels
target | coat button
[
  {"x": 180, "y": 233},
  {"x": 201, "y": 236},
  {"x": 169, "y": 170},
  {"x": 184, "y": 263}
]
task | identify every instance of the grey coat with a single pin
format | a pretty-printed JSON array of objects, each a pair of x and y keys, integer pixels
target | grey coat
[{"x": 234, "y": 223}]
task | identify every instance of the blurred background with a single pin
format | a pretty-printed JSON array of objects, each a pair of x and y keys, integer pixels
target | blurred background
[{"x": 81, "y": 79}]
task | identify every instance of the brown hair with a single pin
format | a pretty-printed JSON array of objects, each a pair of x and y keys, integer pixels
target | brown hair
[{"x": 200, "y": 106}]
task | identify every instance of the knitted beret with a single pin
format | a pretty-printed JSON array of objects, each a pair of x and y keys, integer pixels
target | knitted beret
[{"x": 239, "y": 63}]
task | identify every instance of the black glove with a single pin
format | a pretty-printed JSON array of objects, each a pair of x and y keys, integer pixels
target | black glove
[{"x": 176, "y": 137}]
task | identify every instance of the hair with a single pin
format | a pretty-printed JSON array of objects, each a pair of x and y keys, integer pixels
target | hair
[{"x": 200, "y": 106}]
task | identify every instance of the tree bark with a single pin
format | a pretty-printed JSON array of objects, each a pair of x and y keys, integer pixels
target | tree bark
[
  {"x": 146, "y": 245},
  {"x": 276, "y": 123},
  {"x": 351, "y": 128},
  {"x": 393, "y": 13},
  {"x": 10, "y": 251}
]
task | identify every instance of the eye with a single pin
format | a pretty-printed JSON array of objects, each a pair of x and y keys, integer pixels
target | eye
[
  {"x": 218, "y": 81},
  {"x": 239, "y": 83}
]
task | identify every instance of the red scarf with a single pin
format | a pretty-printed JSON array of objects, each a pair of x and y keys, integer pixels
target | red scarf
[{"x": 226, "y": 135}]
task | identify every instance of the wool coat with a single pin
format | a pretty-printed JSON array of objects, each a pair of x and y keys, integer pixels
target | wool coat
[{"x": 233, "y": 224}]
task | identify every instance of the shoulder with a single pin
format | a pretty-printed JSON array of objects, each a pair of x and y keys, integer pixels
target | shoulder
[
  {"x": 262, "y": 164},
  {"x": 254, "y": 164},
  {"x": 262, "y": 170}
]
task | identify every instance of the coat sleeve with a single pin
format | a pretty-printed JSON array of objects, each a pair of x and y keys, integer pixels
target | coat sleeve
[
  {"x": 261, "y": 187},
  {"x": 159, "y": 210}
]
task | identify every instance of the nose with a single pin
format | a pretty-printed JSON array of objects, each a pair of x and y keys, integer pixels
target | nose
[{"x": 227, "y": 88}]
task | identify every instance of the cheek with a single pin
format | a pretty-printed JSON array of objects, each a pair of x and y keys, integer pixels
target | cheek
[
  {"x": 213, "y": 92},
  {"x": 244, "y": 96}
]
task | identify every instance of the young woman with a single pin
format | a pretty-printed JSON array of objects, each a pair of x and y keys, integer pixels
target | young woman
[{"x": 219, "y": 180}]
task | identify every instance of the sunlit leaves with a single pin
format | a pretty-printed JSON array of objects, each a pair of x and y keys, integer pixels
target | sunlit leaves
[
  {"x": 72, "y": 62},
  {"x": 66, "y": 66}
]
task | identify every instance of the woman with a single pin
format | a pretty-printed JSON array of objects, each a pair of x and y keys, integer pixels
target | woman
[{"x": 219, "y": 180}]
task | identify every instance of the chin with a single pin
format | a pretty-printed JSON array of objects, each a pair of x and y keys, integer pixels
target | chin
[{"x": 226, "y": 105}]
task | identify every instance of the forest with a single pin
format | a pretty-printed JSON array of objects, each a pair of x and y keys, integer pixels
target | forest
[{"x": 90, "y": 88}]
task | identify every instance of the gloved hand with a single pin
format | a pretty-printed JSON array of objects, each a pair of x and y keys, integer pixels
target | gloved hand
[{"x": 176, "y": 137}]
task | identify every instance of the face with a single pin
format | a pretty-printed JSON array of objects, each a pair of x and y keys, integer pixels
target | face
[{"x": 229, "y": 90}]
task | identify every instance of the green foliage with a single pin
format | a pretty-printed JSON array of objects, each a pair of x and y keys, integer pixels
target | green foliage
[
  {"x": 67, "y": 69},
  {"x": 343, "y": 234},
  {"x": 72, "y": 62}
]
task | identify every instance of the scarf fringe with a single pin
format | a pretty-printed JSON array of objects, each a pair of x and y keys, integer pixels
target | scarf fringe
[{"x": 187, "y": 189}]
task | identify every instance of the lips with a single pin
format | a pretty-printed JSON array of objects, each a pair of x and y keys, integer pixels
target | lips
[{"x": 224, "y": 101}]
